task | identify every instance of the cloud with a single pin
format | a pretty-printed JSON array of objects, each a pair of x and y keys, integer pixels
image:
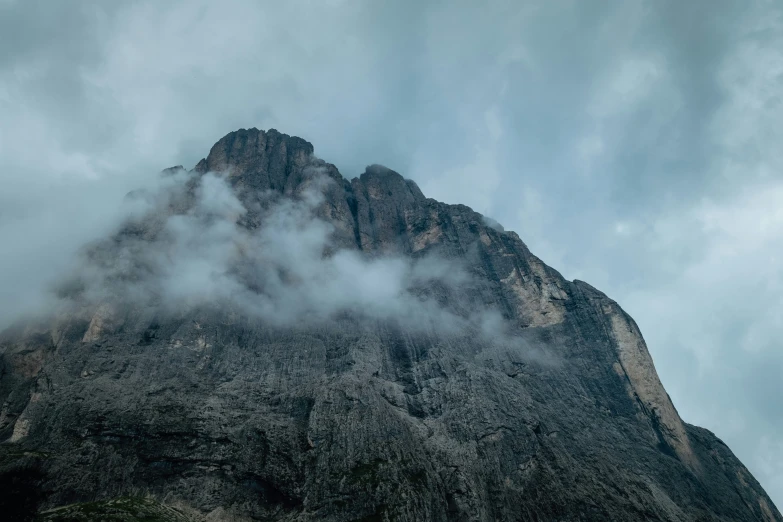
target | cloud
[
  {"x": 718, "y": 308},
  {"x": 483, "y": 167},
  {"x": 42, "y": 228},
  {"x": 183, "y": 247}
]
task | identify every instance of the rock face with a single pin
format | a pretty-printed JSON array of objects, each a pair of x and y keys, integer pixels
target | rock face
[{"x": 222, "y": 416}]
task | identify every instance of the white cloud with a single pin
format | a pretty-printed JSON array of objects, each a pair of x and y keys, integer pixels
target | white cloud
[
  {"x": 721, "y": 309},
  {"x": 474, "y": 183},
  {"x": 287, "y": 272},
  {"x": 746, "y": 130}
]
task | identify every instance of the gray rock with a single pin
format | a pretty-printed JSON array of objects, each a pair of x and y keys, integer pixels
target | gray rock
[{"x": 224, "y": 416}]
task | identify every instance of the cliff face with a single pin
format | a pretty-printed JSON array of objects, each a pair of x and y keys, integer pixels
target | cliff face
[{"x": 551, "y": 409}]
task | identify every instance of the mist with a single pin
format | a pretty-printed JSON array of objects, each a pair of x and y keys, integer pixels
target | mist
[
  {"x": 182, "y": 243},
  {"x": 42, "y": 230}
]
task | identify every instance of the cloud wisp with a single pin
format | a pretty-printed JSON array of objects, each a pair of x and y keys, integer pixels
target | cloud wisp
[{"x": 184, "y": 246}]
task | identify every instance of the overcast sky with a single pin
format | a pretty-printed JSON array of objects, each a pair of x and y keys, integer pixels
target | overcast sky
[{"x": 635, "y": 145}]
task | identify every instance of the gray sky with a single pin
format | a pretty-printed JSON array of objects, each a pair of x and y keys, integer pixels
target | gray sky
[{"x": 631, "y": 144}]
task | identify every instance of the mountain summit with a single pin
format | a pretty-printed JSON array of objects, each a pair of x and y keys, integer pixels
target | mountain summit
[{"x": 263, "y": 339}]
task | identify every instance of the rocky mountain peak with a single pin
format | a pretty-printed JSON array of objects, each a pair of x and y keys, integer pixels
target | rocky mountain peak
[
  {"x": 276, "y": 342},
  {"x": 263, "y": 158},
  {"x": 381, "y": 182}
]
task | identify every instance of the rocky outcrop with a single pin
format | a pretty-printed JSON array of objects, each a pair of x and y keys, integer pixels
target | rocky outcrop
[{"x": 223, "y": 416}]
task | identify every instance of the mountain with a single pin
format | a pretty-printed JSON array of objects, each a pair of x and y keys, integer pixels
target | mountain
[{"x": 263, "y": 339}]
